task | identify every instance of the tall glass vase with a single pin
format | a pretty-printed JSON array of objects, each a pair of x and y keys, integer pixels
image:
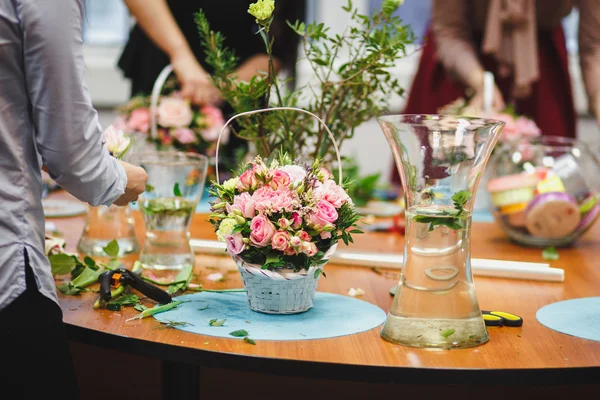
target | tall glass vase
[
  {"x": 102, "y": 225},
  {"x": 440, "y": 159}
]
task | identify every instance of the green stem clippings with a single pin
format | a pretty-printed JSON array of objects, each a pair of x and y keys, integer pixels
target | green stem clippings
[{"x": 155, "y": 310}]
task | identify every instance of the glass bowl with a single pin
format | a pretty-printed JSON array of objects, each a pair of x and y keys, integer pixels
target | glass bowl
[{"x": 545, "y": 193}]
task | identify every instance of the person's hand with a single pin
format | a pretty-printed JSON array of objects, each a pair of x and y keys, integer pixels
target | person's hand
[
  {"x": 498, "y": 104},
  {"x": 136, "y": 184},
  {"x": 194, "y": 81}
]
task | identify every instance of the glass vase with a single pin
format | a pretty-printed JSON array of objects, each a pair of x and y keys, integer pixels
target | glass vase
[
  {"x": 102, "y": 225},
  {"x": 175, "y": 185},
  {"x": 440, "y": 159}
]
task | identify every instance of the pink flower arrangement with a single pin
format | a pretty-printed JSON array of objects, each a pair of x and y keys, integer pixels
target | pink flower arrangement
[
  {"x": 282, "y": 215},
  {"x": 180, "y": 124}
]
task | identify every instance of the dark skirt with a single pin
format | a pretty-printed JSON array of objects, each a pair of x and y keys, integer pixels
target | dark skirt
[{"x": 550, "y": 104}]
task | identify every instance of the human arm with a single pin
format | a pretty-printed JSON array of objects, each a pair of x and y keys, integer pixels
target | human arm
[
  {"x": 68, "y": 136},
  {"x": 589, "y": 52},
  {"x": 455, "y": 48},
  {"x": 157, "y": 21}
]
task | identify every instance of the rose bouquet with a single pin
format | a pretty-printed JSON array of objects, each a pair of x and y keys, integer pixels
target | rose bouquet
[
  {"x": 281, "y": 222},
  {"x": 180, "y": 124}
]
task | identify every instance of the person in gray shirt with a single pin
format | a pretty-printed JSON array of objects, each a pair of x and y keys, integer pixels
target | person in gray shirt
[{"x": 46, "y": 119}]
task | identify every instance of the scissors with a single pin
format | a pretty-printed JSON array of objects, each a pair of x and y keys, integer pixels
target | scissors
[
  {"x": 501, "y": 318},
  {"x": 120, "y": 276}
]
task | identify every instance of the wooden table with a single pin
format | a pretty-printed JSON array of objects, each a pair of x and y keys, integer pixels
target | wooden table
[{"x": 532, "y": 354}]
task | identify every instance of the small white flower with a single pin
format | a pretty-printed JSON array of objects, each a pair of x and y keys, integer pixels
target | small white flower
[
  {"x": 115, "y": 141},
  {"x": 355, "y": 292},
  {"x": 217, "y": 276}
]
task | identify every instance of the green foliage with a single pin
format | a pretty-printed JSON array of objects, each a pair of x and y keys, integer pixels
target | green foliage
[{"x": 345, "y": 96}]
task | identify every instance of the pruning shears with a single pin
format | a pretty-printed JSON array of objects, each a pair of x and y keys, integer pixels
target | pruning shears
[
  {"x": 122, "y": 276},
  {"x": 501, "y": 318}
]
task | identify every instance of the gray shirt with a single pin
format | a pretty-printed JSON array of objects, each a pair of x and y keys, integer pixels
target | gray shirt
[{"x": 46, "y": 116}]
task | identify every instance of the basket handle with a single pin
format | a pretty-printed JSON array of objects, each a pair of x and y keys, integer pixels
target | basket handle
[
  {"x": 156, "y": 89},
  {"x": 262, "y": 110}
]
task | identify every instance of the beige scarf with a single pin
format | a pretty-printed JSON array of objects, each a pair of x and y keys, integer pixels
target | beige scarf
[{"x": 511, "y": 37}]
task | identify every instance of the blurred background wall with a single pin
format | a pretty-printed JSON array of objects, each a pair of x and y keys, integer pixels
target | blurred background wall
[{"x": 107, "y": 26}]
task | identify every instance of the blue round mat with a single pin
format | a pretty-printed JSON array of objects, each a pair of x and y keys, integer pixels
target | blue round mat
[
  {"x": 332, "y": 315},
  {"x": 576, "y": 317}
]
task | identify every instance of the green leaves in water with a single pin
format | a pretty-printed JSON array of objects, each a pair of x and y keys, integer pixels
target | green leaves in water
[
  {"x": 176, "y": 190},
  {"x": 453, "y": 219},
  {"x": 460, "y": 199},
  {"x": 216, "y": 322},
  {"x": 446, "y": 333},
  {"x": 168, "y": 206}
]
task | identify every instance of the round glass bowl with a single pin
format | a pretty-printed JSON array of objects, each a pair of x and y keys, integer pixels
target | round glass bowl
[{"x": 545, "y": 193}]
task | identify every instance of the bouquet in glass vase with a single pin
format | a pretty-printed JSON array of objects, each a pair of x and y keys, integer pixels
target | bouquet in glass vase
[{"x": 281, "y": 222}]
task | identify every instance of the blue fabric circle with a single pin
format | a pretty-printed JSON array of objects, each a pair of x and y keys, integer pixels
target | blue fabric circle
[
  {"x": 576, "y": 317},
  {"x": 331, "y": 316}
]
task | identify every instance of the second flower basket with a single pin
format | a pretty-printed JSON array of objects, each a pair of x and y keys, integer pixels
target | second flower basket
[{"x": 281, "y": 222}]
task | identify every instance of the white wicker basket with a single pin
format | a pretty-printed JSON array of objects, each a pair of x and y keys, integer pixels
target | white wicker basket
[{"x": 281, "y": 291}]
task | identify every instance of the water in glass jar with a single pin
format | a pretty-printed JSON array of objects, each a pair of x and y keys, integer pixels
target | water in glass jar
[
  {"x": 167, "y": 245},
  {"x": 435, "y": 303}
]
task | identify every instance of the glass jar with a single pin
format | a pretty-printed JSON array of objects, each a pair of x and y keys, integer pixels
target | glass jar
[
  {"x": 175, "y": 185},
  {"x": 545, "y": 193}
]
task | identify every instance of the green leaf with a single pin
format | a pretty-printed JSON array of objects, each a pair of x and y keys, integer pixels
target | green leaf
[
  {"x": 239, "y": 333},
  {"x": 139, "y": 307},
  {"x": 183, "y": 279},
  {"x": 112, "y": 248},
  {"x": 447, "y": 333},
  {"x": 89, "y": 261},
  {"x": 61, "y": 264},
  {"x": 550, "y": 254},
  {"x": 113, "y": 264},
  {"x": 149, "y": 188},
  {"x": 176, "y": 190},
  {"x": 69, "y": 289},
  {"x": 127, "y": 299},
  {"x": 249, "y": 341},
  {"x": 216, "y": 322}
]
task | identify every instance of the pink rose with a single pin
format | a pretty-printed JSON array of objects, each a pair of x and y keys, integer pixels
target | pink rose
[
  {"x": 115, "y": 141},
  {"x": 331, "y": 192},
  {"x": 184, "y": 135},
  {"x": 213, "y": 117},
  {"x": 247, "y": 181},
  {"x": 235, "y": 243},
  {"x": 174, "y": 113},
  {"x": 262, "y": 230},
  {"x": 296, "y": 220},
  {"x": 260, "y": 168},
  {"x": 139, "y": 120},
  {"x": 323, "y": 215},
  {"x": 245, "y": 204},
  {"x": 295, "y": 241},
  {"x": 527, "y": 127},
  {"x": 304, "y": 236},
  {"x": 280, "y": 241},
  {"x": 284, "y": 223},
  {"x": 510, "y": 133},
  {"x": 295, "y": 172},
  {"x": 309, "y": 248},
  {"x": 280, "y": 179},
  {"x": 290, "y": 251},
  {"x": 325, "y": 235}
]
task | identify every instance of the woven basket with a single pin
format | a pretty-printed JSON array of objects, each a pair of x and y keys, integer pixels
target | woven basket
[{"x": 279, "y": 292}]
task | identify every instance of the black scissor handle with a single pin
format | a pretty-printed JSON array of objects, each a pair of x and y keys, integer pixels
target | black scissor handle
[{"x": 155, "y": 293}]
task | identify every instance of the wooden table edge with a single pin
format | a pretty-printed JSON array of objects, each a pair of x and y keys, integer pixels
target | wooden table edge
[{"x": 327, "y": 370}]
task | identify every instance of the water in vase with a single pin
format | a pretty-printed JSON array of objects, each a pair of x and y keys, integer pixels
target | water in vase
[
  {"x": 440, "y": 159},
  {"x": 167, "y": 237},
  {"x": 435, "y": 303}
]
